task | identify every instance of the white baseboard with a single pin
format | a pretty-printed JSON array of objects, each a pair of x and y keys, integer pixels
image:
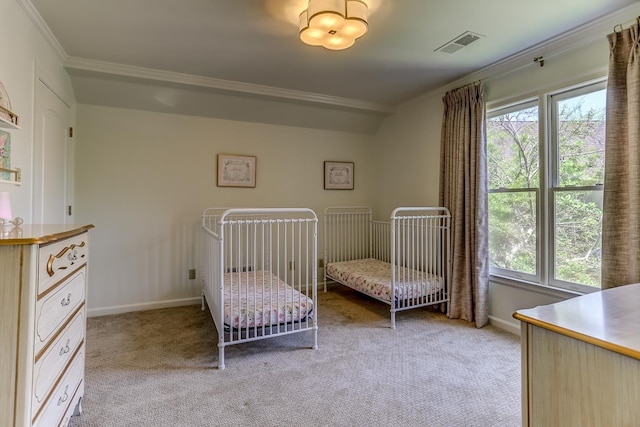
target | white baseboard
[
  {"x": 118, "y": 309},
  {"x": 512, "y": 327}
]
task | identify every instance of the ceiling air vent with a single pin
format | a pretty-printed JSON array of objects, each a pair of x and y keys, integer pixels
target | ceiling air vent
[{"x": 464, "y": 39}]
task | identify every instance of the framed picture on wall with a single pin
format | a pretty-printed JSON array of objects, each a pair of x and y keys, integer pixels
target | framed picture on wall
[
  {"x": 5, "y": 155},
  {"x": 236, "y": 170},
  {"x": 338, "y": 175}
]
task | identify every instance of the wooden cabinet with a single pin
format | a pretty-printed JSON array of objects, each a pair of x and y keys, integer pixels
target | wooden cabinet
[
  {"x": 43, "y": 285},
  {"x": 581, "y": 360}
]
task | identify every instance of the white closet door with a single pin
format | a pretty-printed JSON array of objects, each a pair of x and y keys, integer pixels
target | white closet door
[{"x": 53, "y": 172}]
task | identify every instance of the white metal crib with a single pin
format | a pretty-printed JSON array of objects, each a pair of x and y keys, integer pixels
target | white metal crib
[
  {"x": 260, "y": 273},
  {"x": 404, "y": 262}
]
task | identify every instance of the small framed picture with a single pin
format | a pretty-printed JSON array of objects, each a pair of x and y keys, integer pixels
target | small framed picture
[
  {"x": 5, "y": 155},
  {"x": 338, "y": 175},
  {"x": 236, "y": 170}
]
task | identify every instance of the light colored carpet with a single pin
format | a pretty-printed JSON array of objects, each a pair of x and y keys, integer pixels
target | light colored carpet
[{"x": 158, "y": 368}]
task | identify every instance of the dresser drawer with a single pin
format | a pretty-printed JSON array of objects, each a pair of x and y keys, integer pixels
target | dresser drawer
[
  {"x": 57, "y": 260},
  {"x": 50, "y": 364},
  {"x": 55, "y": 308},
  {"x": 75, "y": 406},
  {"x": 58, "y": 403}
]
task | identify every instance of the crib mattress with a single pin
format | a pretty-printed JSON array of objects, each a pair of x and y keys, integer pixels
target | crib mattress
[
  {"x": 259, "y": 298},
  {"x": 373, "y": 277}
]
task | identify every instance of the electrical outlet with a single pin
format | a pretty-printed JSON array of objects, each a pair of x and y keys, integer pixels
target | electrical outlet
[
  {"x": 192, "y": 274},
  {"x": 320, "y": 263},
  {"x": 292, "y": 265}
]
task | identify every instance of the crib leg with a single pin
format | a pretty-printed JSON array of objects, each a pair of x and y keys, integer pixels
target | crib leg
[
  {"x": 220, "y": 356},
  {"x": 393, "y": 319},
  {"x": 315, "y": 337}
]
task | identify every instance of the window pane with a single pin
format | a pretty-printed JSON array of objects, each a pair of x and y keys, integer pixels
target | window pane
[
  {"x": 512, "y": 231},
  {"x": 578, "y": 236},
  {"x": 513, "y": 149},
  {"x": 581, "y": 129}
]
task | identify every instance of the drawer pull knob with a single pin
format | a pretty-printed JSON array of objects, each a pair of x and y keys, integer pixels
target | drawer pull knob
[
  {"x": 66, "y": 301},
  {"x": 64, "y": 398},
  {"x": 72, "y": 256},
  {"x": 65, "y": 349}
]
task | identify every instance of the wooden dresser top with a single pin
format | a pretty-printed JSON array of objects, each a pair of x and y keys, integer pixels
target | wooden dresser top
[
  {"x": 27, "y": 234},
  {"x": 609, "y": 319}
]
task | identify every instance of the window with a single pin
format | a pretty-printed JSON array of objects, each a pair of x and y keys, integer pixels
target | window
[
  {"x": 545, "y": 161},
  {"x": 513, "y": 153}
]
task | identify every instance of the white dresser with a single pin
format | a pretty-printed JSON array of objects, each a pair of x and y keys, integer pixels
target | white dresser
[{"x": 43, "y": 285}]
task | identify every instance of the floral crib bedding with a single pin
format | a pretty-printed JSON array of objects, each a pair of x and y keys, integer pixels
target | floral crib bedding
[
  {"x": 259, "y": 298},
  {"x": 373, "y": 277}
]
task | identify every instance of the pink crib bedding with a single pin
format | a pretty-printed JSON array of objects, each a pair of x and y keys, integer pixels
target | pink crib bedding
[
  {"x": 259, "y": 298},
  {"x": 373, "y": 277}
]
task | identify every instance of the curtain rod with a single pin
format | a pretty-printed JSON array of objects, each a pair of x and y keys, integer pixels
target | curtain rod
[
  {"x": 469, "y": 84},
  {"x": 450, "y": 91},
  {"x": 618, "y": 28}
]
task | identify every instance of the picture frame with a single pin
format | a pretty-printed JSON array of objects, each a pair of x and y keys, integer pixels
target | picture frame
[
  {"x": 338, "y": 175},
  {"x": 236, "y": 170},
  {"x": 5, "y": 156}
]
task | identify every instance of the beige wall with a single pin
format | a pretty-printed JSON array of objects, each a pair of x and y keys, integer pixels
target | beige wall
[
  {"x": 582, "y": 64},
  {"x": 143, "y": 179},
  {"x": 408, "y": 143},
  {"x": 408, "y": 157},
  {"x": 575, "y": 66},
  {"x": 26, "y": 57}
]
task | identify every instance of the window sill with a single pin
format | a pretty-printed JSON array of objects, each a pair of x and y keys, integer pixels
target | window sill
[{"x": 535, "y": 287}]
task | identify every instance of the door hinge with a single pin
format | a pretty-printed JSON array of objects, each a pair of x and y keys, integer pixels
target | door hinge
[
  {"x": 71, "y": 132},
  {"x": 69, "y": 210}
]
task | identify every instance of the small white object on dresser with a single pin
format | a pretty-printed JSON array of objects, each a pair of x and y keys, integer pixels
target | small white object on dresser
[{"x": 43, "y": 286}]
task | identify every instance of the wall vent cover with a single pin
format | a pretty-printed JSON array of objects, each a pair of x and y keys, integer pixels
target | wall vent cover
[{"x": 464, "y": 39}]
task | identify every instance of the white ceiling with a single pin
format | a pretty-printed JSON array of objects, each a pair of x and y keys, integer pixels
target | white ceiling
[{"x": 250, "y": 47}]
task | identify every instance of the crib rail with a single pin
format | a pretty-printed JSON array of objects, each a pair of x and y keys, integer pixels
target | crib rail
[
  {"x": 248, "y": 253},
  {"x": 415, "y": 242},
  {"x": 347, "y": 231},
  {"x": 420, "y": 265}
]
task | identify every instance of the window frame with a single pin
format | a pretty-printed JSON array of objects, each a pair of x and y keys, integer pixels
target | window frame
[
  {"x": 553, "y": 99},
  {"x": 523, "y": 104},
  {"x": 548, "y": 179},
  {"x": 521, "y": 275}
]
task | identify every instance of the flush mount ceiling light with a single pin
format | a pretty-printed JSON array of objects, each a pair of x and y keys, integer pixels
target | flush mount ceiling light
[{"x": 333, "y": 24}]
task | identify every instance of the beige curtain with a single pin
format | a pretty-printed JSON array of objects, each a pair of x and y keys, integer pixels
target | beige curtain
[
  {"x": 463, "y": 190},
  {"x": 621, "y": 205}
]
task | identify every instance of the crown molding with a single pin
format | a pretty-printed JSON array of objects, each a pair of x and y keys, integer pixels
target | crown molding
[
  {"x": 193, "y": 80},
  {"x": 572, "y": 39},
  {"x": 82, "y": 64},
  {"x": 42, "y": 27}
]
